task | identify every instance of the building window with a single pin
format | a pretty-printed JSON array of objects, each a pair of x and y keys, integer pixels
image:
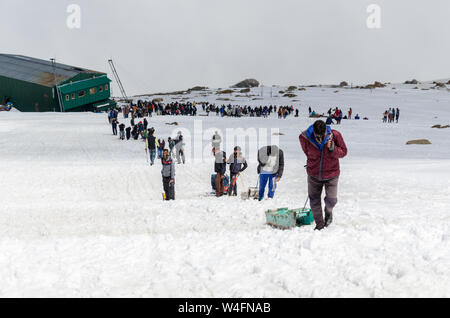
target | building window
[
  {"x": 93, "y": 91},
  {"x": 81, "y": 93},
  {"x": 106, "y": 87},
  {"x": 67, "y": 97},
  {"x": 73, "y": 95},
  {"x": 100, "y": 89}
]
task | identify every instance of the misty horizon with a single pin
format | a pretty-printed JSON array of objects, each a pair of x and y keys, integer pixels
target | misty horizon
[{"x": 171, "y": 45}]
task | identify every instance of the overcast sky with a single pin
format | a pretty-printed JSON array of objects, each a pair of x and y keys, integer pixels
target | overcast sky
[{"x": 163, "y": 45}]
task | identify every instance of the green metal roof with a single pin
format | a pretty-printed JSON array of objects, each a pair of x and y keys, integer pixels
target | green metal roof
[
  {"x": 84, "y": 84},
  {"x": 38, "y": 71}
]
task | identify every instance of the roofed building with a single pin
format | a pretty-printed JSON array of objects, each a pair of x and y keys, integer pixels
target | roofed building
[{"x": 35, "y": 85}]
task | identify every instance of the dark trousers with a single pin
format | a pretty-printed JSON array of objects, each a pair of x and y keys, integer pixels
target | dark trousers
[
  {"x": 114, "y": 129},
  {"x": 232, "y": 189},
  {"x": 169, "y": 188},
  {"x": 315, "y": 187},
  {"x": 220, "y": 188}
]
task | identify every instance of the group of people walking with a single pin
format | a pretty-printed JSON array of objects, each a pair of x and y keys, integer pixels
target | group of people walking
[{"x": 322, "y": 146}]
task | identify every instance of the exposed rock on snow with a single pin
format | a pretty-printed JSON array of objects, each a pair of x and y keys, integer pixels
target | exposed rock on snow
[
  {"x": 419, "y": 142},
  {"x": 248, "y": 83},
  {"x": 375, "y": 85},
  {"x": 441, "y": 127},
  {"x": 226, "y": 91},
  {"x": 439, "y": 84},
  {"x": 343, "y": 84},
  {"x": 197, "y": 88},
  {"x": 414, "y": 82}
]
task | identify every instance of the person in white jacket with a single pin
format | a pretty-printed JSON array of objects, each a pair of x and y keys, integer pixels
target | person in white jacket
[
  {"x": 179, "y": 148},
  {"x": 216, "y": 140}
]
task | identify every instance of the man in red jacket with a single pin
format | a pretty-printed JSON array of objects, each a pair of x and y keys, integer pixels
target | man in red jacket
[{"x": 323, "y": 148}]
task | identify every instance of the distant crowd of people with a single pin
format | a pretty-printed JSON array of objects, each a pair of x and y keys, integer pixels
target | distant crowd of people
[
  {"x": 335, "y": 115},
  {"x": 391, "y": 115},
  {"x": 248, "y": 111},
  {"x": 149, "y": 108}
]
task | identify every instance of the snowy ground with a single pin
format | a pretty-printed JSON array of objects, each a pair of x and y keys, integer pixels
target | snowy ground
[{"x": 81, "y": 212}]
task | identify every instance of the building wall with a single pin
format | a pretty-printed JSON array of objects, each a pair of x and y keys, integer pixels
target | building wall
[
  {"x": 28, "y": 97},
  {"x": 86, "y": 92}
]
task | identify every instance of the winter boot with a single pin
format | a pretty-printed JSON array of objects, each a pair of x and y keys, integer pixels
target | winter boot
[
  {"x": 328, "y": 218},
  {"x": 319, "y": 227}
]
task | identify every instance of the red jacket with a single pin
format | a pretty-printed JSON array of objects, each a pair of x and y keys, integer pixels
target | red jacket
[{"x": 323, "y": 164}]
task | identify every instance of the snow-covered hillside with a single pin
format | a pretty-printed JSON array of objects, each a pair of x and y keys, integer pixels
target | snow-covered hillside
[{"x": 81, "y": 211}]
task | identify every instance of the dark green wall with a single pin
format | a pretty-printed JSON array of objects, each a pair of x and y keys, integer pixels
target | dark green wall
[{"x": 28, "y": 97}]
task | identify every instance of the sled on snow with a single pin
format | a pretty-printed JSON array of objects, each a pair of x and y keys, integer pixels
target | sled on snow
[
  {"x": 286, "y": 219},
  {"x": 251, "y": 193}
]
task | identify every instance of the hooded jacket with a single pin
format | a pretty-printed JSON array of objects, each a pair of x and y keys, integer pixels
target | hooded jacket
[
  {"x": 271, "y": 160},
  {"x": 323, "y": 163}
]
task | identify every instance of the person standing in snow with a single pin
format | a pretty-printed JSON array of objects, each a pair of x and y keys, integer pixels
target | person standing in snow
[
  {"x": 220, "y": 168},
  {"x": 152, "y": 144},
  {"x": 161, "y": 147},
  {"x": 145, "y": 123},
  {"x": 397, "y": 115},
  {"x": 128, "y": 132},
  {"x": 323, "y": 148},
  {"x": 171, "y": 145},
  {"x": 122, "y": 131},
  {"x": 270, "y": 169},
  {"x": 114, "y": 126},
  {"x": 216, "y": 140},
  {"x": 237, "y": 164},
  {"x": 179, "y": 148},
  {"x": 168, "y": 175}
]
